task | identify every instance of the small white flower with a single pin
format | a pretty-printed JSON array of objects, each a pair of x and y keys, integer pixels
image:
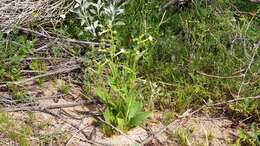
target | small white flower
[
  {"x": 122, "y": 50},
  {"x": 63, "y": 16},
  {"x": 137, "y": 53},
  {"x": 233, "y": 19},
  {"x": 150, "y": 38}
]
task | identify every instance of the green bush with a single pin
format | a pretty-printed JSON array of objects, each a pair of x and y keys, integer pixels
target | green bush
[
  {"x": 122, "y": 106},
  {"x": 18, "y": 133},
  {"x": 13, "y": 48},
  {"x": 214, "y": 39},
  {"x": 249, "y": 138}
]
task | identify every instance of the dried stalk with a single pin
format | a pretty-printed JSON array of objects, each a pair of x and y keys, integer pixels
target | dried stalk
[{"x": 31, "y": 12}]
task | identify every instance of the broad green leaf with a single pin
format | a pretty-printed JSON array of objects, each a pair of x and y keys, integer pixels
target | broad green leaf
[
  {"x": 121, "y": 123},
  {"x": 108, "y": 116},
  {"x": 139, "y": 118},
  {"x": 134, "y": 107},
  {"x": 114, "y": 70},
  {"x": 105, "y": 97},
  {"x": 102, "y": 94}
]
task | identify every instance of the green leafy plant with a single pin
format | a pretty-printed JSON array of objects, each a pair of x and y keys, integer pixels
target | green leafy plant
[
  {"x": 249, "y": 138},
  {"x": 211, "y": 39},
  {"x": 95, "y": 16},
  {"x": 37, "y": 65},
  {"x": 182, "y": 136},
  {"x": 122, "y": 107},
  {"x": 19, "y": 133},
  {"x": 64, "y": 88},
  {"x": 18, "y": 93},
  {"x": 12, "y": 51},
  {"x": 55, "y": 137}
]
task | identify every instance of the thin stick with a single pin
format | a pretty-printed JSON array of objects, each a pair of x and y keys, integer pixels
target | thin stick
[
  {"x": 93, "y": 142},
  {"x": 220, "y": 77},
  {"x": 51, "y": 37},
  {"x": 59, "y": 71},
  {"x": 235, "y": 100},
  {"x": 248, "y": 68},
  {"x": 118, "y": 130},
  {"x": 44, "y": 58},
  {"x": 225, "y": 102},
  {"x": 41, "y": 108},
  {"x": 75, "y": 134},
  {"x": 32, "y": 71},
  {"x": 169, "y": 3}
]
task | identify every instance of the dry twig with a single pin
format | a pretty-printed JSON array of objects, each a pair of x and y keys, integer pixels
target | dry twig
[
  {"x": 118, "y": 130},
  {"x": 58, "y": 38},
  {"x": 29, "y": 12},
  {"x": 76, "y": 133},
  {"x": 59, "y": 71},
  {"x": 219, "y": 77},
  {"x": 42, "y": 108},
  {"x": 168, "y": 4},
  {"x": 248, "y": 68}
]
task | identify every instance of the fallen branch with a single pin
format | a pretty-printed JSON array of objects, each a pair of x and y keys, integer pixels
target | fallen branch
[
  {"x": 59, "y": 71},
  {"x": 75, "y": 134},
  {"x": 168, "y": 4},
  {"x": 235, "y": 100},
  {"x": 248, "y": 69},
  {"x": 43, "y": 108},
  {"x": 219, "y": 77},
  {"x": 23, "y": 12},
  {"x": 43, "y": 58},
  {"x": 57, "y": 38}
]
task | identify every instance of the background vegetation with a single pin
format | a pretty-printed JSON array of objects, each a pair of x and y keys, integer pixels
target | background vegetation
[{"x": 187, "y": 56}]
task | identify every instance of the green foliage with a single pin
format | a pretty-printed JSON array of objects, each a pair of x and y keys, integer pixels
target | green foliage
[
  {"x": 180, "y": 58},
  {"x": 213, "y": 39},
  {"x": 55, "y": 137},
  {"x": 13, "y": 48},
  {"x": 183, "y": 136},
  {"x": 18, "y": 93},
  {"x": 168, "y": 117},
  {"x": 64, "y": 88},
  {"x": 246, "y": 6},
  {"x": 183, "y": 53},
  {"x": 122, "y": 108},
  {"x": 19, "y": 133},
  {"x": 117, "y": 90},
  {"x": 37, "y": 65},
  {"x": 247, "y": 107},
  {"x": 249, "y": 138},
  {"x": 95, "y": 16}
]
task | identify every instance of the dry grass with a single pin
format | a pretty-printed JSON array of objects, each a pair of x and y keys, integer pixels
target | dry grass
[{"x": 30, "y": 12}]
